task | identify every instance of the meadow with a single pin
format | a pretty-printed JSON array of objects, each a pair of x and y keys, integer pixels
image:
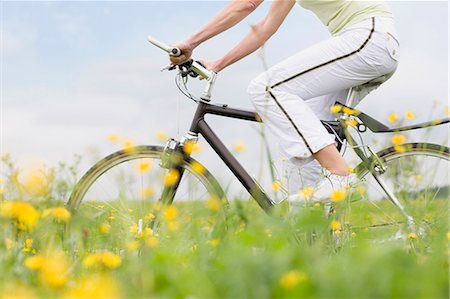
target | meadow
[{"x": 202, "y": 249}]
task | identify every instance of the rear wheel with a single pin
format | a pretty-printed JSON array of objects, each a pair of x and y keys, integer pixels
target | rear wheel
[
  {"x": 123, "y": 193},
  {"x": 418, "y": 175}
]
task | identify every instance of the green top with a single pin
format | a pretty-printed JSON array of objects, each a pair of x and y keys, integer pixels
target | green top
[{"x": 336, "y": 14}]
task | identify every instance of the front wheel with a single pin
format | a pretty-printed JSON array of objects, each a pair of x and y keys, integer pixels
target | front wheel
[
  {"x": 418, "y": 175},
  {"x": 124, "y": 192}
]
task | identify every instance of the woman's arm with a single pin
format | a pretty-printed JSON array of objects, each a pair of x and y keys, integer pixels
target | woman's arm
[
  {"x": 259, "y": 34},
  {"x": 232, "y": 14}
]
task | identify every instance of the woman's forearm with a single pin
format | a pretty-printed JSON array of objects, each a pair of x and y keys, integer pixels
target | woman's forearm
[{"x": 235, "y": 12}]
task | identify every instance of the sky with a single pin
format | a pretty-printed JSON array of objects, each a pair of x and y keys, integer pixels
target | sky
[{"x": 74, "y": 72}]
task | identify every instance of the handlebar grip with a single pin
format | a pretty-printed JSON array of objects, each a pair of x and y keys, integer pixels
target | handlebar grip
[{"x": 173, "y": 51}]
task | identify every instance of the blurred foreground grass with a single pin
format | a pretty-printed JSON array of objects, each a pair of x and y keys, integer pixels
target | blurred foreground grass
[{"x": 204, "y": 252}]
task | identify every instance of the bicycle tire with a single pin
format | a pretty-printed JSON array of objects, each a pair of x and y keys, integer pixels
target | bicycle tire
[
  {"x": 117, "y": 165},
  {"x": 422, "y": 188}
]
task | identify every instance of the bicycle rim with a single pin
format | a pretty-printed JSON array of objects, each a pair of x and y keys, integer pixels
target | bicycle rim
[
  {"x": 418, "y": 175},
  {"x": 122, "y": 192}
]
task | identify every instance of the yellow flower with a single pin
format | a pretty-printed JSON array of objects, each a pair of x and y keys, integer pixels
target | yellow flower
[
  {"x": 239, "y": 147},
  {"x": 152, "y": 242},
  {"x": 59, "y": 214},
  {"x": 104, "y": 228},
  {"x": 409, "y": 115},
  {"x": 361, "y": 190},
  {"x": 128, "y": 144},
  {"x": 418, "y": 177},
  {"x": 94, "y": 286},
  {"x": 348, "y": 111},
  {"x": 17, "y": 290},
  {"x": 53, "y": 269},
  {"x": 351, "y": 170},
  {"x": 36, "y": 183},
  {"x": 171, "y": 177},
  {"x": 133, "y": 245},
  {"x": 170, "y": 213},
  {"x": 338, "y": 195},
  {"x": 104, "y": 259},
  {"x": 134, "y": 228},
  {"x": 412, "y": 236},
  {"x": 28, "y": 245},
  {"x": 213, "y": 242},
  {"x": 144, "y": 166},
  {"x": 24, "y": 213},
  {"x": 149, "y": 216},
  {"x": 447, "y": 110},
  {"x": 34, "y": 262},
  {"x": 276, "y": 186},
  {"x": 393, "y": 117},
  {"x": 9, "y": 244},
  {"x": 191, "y": 147},
  {"x": 351, "y": 122},
  {"x": 3, "y": 190},
  {"x": 308, "y": 191},
  {"x": 398, "y": 139},
  {"x": 336, "y": 108},
  {"x": 161, "y": 136},
  {"x": 399, "y": 148},
  {"x": 197, "y": 167},
  {"x": 113, "y": 138},
  {"x": 147, "y": 192},
  {"x": 292, "y": 279},
  {"x": 335, "y": 225},
  {"x": 214, "y": 204}
]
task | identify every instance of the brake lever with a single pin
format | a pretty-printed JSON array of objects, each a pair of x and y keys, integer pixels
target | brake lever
[{"x": 168, "y": 68}]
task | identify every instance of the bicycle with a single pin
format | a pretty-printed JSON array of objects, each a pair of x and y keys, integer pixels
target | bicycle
[{"x": 410, "y": 179}]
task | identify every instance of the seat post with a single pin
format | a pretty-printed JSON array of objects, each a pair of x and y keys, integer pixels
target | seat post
[{"x": 350, "y": 97}]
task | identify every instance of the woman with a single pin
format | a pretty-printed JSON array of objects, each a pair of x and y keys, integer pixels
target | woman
[{"x": 293, "y": 95}]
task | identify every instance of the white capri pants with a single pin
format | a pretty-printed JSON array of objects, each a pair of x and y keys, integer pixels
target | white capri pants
[{"x": 294, "y": 95}]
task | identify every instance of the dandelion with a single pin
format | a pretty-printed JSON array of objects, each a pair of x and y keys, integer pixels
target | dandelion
[
  {"x": 171, "y": 177},
  {"x": 28, "y": 245},
  {"x": 351, "y": 122},
  {"x": 409, "y": 115},
  {"x": 59, "y": 214},
  {"x": 104, "y": 228},
  {"x": 34, "y": 262},
  {"x": 348, "y": 111},
  {"x": 170, "y": 213},
  {"x": 147, "y": 192},
  {"x": 214, "y": 204},
  {"x": 190, "y": 147},
  {"x": 412, "y": 236},
  {"x": 53, "y": 269},
  {"x": 239, "y": 147},
  {"x": 338, "y": 195},
  {"x": 128, "y": 144},
  {"x": 393, "y": 117},
  {"x": 197, "y": 167},
  {"x": 103, "y": 259},
  {"x": 335, "y": 108},
  {"x": 23, "y": 213},
  {"x": 306, "y": 192},
  {"x": 398, "y": 139},
  {"x": 335, "y": 225},
  {"x": 161, "y": 136},
  {"x": 149, "y": 216},
  {"x": 276, "y": 186},
  {"x": 113, "y": 138},
  {"x": 292, "y": 279},
  {"x": 133, "y": 245},
  {"x": 399, "y": 149},
  {"x": 36, "y": 183},
  {"x": 134, "y": 229},
  {"x": 351, "y": 170},
  {"x": 144, "y": 166}
]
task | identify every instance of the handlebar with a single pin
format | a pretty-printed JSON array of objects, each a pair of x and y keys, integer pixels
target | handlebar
[{"x": 195, "y": 67}]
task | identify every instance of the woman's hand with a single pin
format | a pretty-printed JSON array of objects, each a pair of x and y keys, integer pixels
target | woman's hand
[
  {"x": 186, "y": 49},
  {"x": 211, "y": 65}
]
